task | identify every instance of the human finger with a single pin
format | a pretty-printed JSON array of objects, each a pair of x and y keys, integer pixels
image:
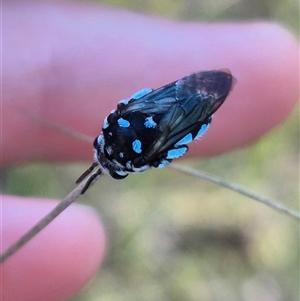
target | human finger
[
  {"x": 92, "y": 57},
  {"x": 57, "y": 262}
]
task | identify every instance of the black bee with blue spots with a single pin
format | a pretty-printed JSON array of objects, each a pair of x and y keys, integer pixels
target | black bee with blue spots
[{"x": 153, "y": 127}]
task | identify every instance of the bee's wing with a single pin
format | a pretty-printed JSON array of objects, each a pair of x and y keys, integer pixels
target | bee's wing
[
  {"x": 217, "y": 83},
  {"x": 183, "y": 105},
  {"x": 197, "y": 96}
]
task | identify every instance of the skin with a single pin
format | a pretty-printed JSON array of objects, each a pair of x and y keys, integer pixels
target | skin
[{"x": 70, "y": 64}]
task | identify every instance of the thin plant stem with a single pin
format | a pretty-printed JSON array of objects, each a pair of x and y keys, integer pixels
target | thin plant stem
[
  {"x": 46, "y": 220},
  {"x": 239, "y": 189},
  {"x": 60, "y": 129}
]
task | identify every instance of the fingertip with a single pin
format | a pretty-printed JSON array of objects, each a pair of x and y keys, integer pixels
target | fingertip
[
  {"x": 60, "y": 260},
  {"x": 263, "y": 58}
]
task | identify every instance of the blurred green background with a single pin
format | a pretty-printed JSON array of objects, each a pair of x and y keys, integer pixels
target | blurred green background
[{"x": 198, "y": 241}]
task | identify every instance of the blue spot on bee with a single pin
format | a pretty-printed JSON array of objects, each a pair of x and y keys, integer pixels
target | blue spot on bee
[
  {"x": 137, "y": 146},
  {"x": 123, "y": 123},
  {"x": 185, "y": 140},
  {"x": 176, "y": 152},
  {"x": 150, "y": 123},
  {"x": 202, "y": 130}
]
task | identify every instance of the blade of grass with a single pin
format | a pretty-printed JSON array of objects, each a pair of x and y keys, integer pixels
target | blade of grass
[
  {"x": 239, "y": 189},
  {"x": 46, "y": 220}
]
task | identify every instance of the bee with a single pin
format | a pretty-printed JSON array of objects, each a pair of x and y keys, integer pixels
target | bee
[{"x": 153, "y": 127}]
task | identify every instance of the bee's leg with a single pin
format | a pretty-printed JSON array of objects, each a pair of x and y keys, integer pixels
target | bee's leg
[
  {"x": 92, "y": 179},
  {"x": 87, "y": 172}
]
